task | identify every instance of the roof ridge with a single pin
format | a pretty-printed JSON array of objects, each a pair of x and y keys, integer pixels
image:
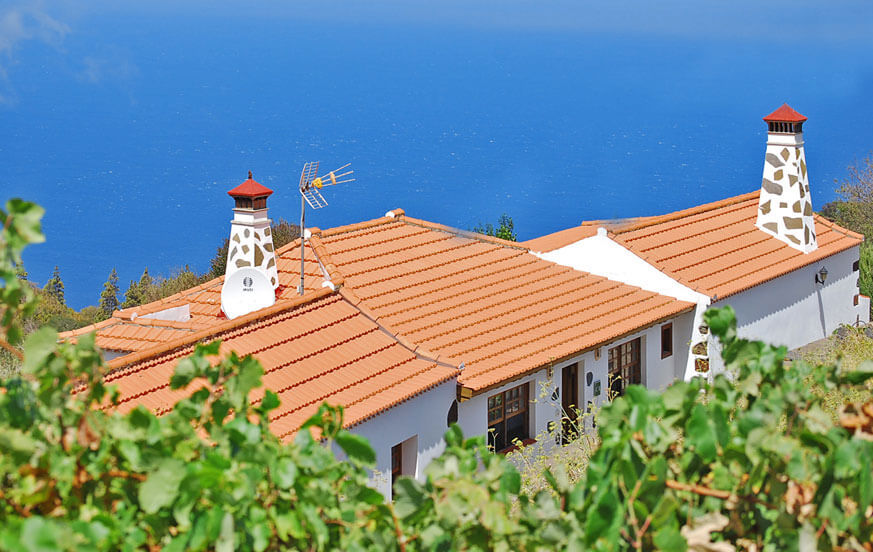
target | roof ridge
[
  {"x": 169, "y": 346},
  {"x": 352, "y": 299},
  {"x": 675, "y": 215},
  {"x": 837, "y": 228},
  {"x": 461, "y": 233},
  {"x": 363, "y": 225}
]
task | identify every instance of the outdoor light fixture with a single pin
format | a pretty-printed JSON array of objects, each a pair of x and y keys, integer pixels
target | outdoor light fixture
[{"x": 821, "y": 276}]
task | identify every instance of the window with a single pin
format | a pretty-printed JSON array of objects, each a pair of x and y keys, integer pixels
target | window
[
  {"x": 624, "y": 367},
  {"x": 856, "y": 265},
  {"x": 667, "y": 340},
  {"x": 508, "y": 417},
  {"x": 396, "y": 462}
]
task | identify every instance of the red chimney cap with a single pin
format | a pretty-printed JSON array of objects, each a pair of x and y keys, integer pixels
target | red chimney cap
[
  {"x": 250, "y": 188},
  {"x": 785, "y": 114}
]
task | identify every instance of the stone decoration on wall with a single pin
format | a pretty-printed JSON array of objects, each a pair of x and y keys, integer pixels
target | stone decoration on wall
[
  {"x": 785, "y": 206},
  {"x": 256, "y": 251}
]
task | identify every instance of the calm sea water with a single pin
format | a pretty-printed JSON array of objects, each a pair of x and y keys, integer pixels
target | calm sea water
[{"x": 130, "y": 126}]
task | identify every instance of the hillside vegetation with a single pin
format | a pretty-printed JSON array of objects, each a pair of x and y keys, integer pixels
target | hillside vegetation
[{"x": 751, "y": 462}]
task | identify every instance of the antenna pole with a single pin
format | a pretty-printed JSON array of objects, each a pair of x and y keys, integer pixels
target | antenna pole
[{"x": 302, "y": 237}]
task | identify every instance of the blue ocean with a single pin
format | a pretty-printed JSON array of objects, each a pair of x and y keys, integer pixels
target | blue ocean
[{"x": 129, "y": 122}]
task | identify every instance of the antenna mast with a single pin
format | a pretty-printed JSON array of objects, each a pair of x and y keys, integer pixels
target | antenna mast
[{"x": 310, "y": 183}]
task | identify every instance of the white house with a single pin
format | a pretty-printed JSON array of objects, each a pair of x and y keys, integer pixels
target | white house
[
  {"x": 791, "y": 275},
  {"x": 412, "y": 325}
]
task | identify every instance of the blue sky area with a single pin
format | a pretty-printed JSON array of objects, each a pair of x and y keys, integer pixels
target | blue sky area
[{"x": 129, "y": 122}]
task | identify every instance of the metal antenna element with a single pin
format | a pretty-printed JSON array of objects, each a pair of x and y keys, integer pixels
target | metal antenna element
[{"x": 310, "y": 184}]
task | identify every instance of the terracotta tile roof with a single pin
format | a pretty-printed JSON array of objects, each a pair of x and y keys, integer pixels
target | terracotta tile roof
[
  {"x": 417, "y": 300},
  {"x": 483, "y": 301},
  {"x": 786, "y": 114},
  {"x": 716, "y": 248},
  {"x": 314, "y": 349}
]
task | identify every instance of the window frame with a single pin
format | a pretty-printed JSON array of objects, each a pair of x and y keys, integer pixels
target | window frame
[
  {"x": 667, "y": 351},
  {"x": 628, "y": 356},
  {"x": 500, "y": 404}
]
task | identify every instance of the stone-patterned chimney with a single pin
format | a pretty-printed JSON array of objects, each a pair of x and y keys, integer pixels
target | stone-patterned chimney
[
  {"x": 785, "y": 207},
  {"x": 251, "y": 244}
]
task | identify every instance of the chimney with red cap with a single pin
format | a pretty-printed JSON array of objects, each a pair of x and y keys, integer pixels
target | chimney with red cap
[
  {"x": 251, "y": 243},
  {"x": 785, "y": 206}
]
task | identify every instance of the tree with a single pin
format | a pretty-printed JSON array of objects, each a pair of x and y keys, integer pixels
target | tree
[
  {"x": 145, "y": 281},
  {"x": 505, "y": 228},
  {"x": 133, "y": 295},
  {"x": 109, "y": 296},
  {"x": 55, "y": 286},
  {"x": 854, "y": 208}
]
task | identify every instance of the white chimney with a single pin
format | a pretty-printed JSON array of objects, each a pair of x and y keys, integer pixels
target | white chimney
[
  {"x": 249, "y": 253},
  {"x": 785, "y": 206}
]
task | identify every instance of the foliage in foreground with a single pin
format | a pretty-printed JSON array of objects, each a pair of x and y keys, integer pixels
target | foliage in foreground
[{"x": 753, "y": 463}]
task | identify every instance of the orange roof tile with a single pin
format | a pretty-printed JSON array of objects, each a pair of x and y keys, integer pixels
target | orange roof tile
[
  {"x": 483, "y": 301},
  {"x": 314, "y": 349},
  {"x": 717, "y": 249}
]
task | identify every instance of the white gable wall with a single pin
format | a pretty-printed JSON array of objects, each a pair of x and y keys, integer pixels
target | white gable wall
[
  {"x": 793, "y": 310},
  {"x": 602, "y": 256}
]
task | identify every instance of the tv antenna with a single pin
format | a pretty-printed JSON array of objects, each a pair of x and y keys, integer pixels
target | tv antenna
[{"x": 310, "y": 184}]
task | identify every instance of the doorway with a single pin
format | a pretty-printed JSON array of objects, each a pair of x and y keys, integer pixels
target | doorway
[{"x": 569, "y": 403}]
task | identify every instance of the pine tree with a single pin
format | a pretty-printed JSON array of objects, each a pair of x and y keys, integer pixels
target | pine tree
[
  {"x": 109, "y": 297},
  {"x": 145, "y": 281},
  {"x": 55, "y": 286},
  {"x": 133, "y": 295}
]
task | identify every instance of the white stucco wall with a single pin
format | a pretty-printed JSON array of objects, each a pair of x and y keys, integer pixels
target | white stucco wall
[
  {"x": 657, "y": 373},
  {"x": 794, "y": 310},
  {"x": 421, "y": 419}
]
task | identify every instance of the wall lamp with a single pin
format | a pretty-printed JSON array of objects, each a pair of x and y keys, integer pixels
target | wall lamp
[{"x": 821, "y": 276}]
